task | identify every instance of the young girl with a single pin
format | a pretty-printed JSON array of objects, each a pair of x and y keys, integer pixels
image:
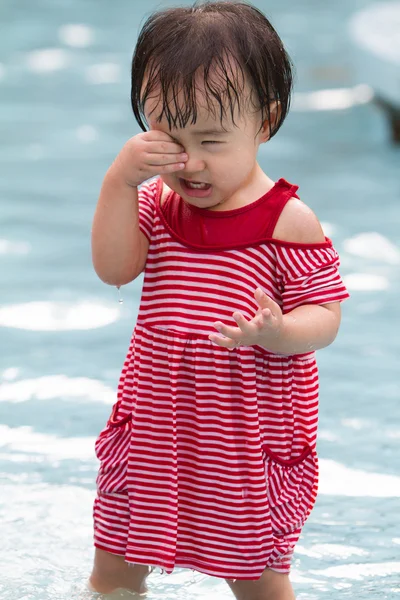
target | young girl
[{"x": 208, "y": 460}]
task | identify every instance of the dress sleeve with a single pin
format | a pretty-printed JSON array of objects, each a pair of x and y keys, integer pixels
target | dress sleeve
[
  {"x": 308, "y": 274},
  {"x": 147, "y": 196}
]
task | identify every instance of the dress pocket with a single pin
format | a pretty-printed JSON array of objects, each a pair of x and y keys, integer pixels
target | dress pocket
[
  {"x": 292, "y": 488},
  {"x": 112, "y": 449}
]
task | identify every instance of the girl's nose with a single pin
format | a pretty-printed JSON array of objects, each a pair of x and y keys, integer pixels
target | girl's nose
[{"x": 194, "y": 165}]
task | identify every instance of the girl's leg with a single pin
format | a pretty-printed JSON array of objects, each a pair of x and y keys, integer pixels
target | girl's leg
[
  {"x": 271, "y": 586},
  {"x": 110, "y": 572}
]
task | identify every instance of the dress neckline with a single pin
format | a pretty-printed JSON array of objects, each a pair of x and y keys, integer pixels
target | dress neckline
[{"x": 291, "y": 189}]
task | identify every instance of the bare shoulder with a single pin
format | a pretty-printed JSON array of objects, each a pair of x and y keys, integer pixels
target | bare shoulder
[{"x": 297, "y": 223}]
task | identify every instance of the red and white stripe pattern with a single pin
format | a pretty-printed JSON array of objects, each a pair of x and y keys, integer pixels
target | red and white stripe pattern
[{"x": 208, "y": 461}]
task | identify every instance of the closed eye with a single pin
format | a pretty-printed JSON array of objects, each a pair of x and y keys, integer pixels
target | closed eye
[{"x": 210, "y": 142}]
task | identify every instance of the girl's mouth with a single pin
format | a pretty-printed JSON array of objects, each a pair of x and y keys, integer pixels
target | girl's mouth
[{"x": 196, "y": 189}]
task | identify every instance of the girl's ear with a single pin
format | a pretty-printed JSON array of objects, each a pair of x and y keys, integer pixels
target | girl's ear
[{"x": 269, "y": 123}]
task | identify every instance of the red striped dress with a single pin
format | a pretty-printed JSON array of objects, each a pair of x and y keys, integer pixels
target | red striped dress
[{"x": 208, "y": 460}]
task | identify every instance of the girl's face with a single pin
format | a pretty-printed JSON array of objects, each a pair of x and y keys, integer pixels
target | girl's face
[{"x": 222, "y": 159}]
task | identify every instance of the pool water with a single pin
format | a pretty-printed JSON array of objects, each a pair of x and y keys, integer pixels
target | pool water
[{"x": 64, "y": 115}]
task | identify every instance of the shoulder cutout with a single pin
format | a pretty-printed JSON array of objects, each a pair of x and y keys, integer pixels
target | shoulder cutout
[{"x": 297, "y": 223}]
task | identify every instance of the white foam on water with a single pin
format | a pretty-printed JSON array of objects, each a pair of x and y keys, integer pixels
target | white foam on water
[
  {"x": 103, "y": 73},
  {"x": 58, "y": 316},
  {"x": 87, "y": 134},
  {"x": 366, "y": 282},
  {"x": 377, "y": 29},
  {"x": 327, "y": 436},
  {"x": 374, "y": 246},
  {"x": 48, "y": 446},
  {"x": 10, "y": 374},
  {"x": 296, "y": 577},
  {"x": 358, "y": 571},
  {"x": 204, "y": 587},
  {"x": 54, "y": 522},
  {"x": 57, "y": 387},
  {"x": 18, "y": 248},
  {"x": 76, "y": 35},
  {"x": 339, "y": 480},
  {"x": 47, "y": 60},
  {"x": 21, "y": 458},
  {"x": 357, "y": 424},
  {"x": 333, "y": 99},
  {"x": 331, "y": 551}
]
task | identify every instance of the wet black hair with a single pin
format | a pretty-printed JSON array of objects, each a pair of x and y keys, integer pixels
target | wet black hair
[{"x": 229, "y": 44}]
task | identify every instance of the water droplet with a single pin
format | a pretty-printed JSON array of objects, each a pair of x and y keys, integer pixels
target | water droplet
[{"x": 120, "y": 299}]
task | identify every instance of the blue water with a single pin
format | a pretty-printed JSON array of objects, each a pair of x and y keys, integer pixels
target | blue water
[{"x": 64, "y": 115}]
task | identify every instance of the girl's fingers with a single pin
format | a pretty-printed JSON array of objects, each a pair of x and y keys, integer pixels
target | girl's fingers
[
  {"x": 263, "y": 300},
  {"x": 227, "y": 331},
  {"x": 165, "y": 169},
  {"x": 266, "y": 313},
  {"x": 245, "y": 328},
  {"x": 161, "y": 160},
  {"x": 157, "y": 141},
  {"x": 224, "y": 342},
  {"x": 164, "y": 148},
  {"x": 242, "y": 322},
  {"x": 169, "y": 168},
  {"x": 232, "y": 335}
]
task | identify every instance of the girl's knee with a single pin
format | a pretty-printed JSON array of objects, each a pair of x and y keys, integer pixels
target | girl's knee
[
  {"x": 270, "y": 586},
  {"x": 111, "y": 571}
]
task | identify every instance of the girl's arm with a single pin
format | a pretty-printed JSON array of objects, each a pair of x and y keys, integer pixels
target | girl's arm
[
  {"x": 305, "y": 328},
  {"x": 119, "y": 248},
  {"x": 310, "y": 326}
]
